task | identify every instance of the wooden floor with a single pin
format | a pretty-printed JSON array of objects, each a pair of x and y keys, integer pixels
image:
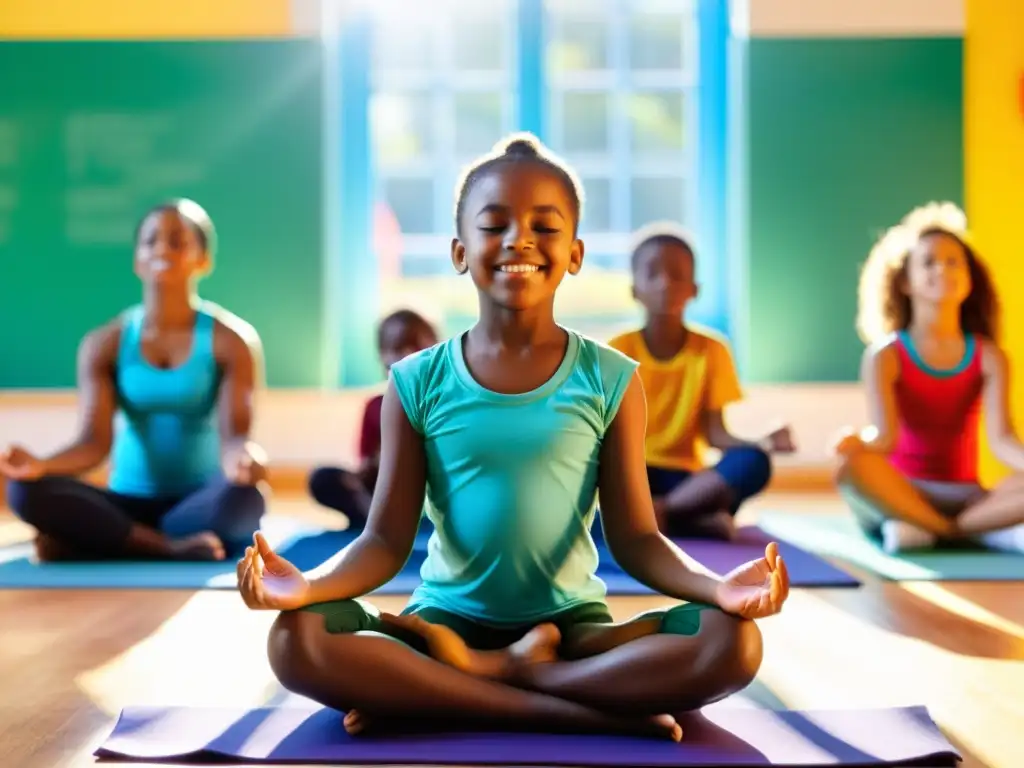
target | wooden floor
[{"x": 69, "y": 660}]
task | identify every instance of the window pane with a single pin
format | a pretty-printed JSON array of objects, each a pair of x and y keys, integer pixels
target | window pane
[
  {"x": 481, "y": 40},
  {"x": 656, "y": 41},
  {"x": 584, "y": 122},
  {"x": 412, "y": 201},
  {"x": 401, "y": 41},
  {"x": 479, "y": 122},
  {"x": 597, "y": 205},
  {"x": 656, "y": 122},
  {"x": 657, "y": 199},
  {"x": 579, "y": 45},
  {"x": 402, "y": 126}
]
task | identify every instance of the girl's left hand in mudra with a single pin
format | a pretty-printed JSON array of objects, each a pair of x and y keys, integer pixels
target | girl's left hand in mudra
[{"x": 756, "y": 589}]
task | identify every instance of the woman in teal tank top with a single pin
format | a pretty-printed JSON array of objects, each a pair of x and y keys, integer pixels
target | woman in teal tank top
[
  {"x": 511, "y": 431},
  {"x": 166, "y": 392}
]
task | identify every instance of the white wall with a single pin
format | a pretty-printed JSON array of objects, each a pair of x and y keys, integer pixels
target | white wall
[
  {"x": 848, "y": 18},
  {"x": 307, "y": 16}
]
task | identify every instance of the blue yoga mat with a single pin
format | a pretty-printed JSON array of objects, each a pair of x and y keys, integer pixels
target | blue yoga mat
[
  {"x": 719, "y": 737},
  {"x": 309, "y": 549}
]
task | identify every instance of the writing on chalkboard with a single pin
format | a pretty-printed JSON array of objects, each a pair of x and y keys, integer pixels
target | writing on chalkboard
[{"x": 117, "y": 164}]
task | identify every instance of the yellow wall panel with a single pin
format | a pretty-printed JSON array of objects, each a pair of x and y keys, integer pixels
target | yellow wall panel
[
  {"x": 143, "y": 19},
  {"x": 994, "y": 170}
]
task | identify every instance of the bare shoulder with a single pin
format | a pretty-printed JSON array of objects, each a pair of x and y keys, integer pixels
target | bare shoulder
[
  {"x": 101, "y": 343},
  {"x": 883, "y": 353},
  {"x": 232, "y": 334},
  {"x": 880, "y": 362}
]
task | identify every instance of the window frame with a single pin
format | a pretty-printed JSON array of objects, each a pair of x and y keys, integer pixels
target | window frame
[{"x": 527, "y": 87}]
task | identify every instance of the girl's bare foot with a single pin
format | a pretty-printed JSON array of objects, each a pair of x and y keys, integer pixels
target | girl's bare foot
[
  {"x": 537, "y": 646},
  {"x": 666, "y": 725},
  {"x": 198, "y": 546},
  {"x": 443, "y": 643},
  {"x": 355, "y": 722}
]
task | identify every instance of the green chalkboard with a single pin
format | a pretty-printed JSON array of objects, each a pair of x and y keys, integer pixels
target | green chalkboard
[
  {"x": 94, "y": 133},
  {"x": 843, "y": 138}
]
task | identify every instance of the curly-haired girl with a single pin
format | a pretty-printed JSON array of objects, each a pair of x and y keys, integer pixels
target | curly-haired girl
[{"x": 928, "y": 312}]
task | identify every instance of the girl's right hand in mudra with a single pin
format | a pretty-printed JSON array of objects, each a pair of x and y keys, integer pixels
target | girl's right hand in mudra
[{"x": 267, "y": 581}]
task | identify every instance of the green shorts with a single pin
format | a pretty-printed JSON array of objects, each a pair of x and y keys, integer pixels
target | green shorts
[{"x": 349, "y": 616}]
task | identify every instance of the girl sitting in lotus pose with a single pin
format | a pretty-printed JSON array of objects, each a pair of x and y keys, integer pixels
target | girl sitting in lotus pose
[{"x": 511, "y": 431}]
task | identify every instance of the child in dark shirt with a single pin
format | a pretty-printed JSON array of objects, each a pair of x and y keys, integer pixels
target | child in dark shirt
[{"x": 400, "y": 334}]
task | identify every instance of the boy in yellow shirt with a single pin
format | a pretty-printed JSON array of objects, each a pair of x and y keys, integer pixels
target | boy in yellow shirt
[{"x": 689, "y": 378}]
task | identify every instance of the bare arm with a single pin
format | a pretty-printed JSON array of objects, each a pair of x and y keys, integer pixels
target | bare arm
[
  {"x": 1001, "y": 436},
  {"x": 719, "y": 436},
  {"x": 627, "y": 511},
  {"x": 97, "y": 355},
  {"x": 878, "y": 373},
  {"x": 384, "y": 545},
  {"x": 724, "y": 388},
  {"x": 239, "y": 353}
]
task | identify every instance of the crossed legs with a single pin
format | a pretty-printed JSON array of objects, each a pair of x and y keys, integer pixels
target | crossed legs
[
  {"x": 912, "y": 514},
  {"x": 575, "y": 673}
]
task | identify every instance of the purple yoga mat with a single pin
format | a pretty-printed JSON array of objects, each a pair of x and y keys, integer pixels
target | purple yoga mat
[
  {"x": 719, "y": 737},
  {"x": 804, "y": 568}
]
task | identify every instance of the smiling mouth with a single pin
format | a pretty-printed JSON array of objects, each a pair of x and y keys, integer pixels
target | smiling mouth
[{"x": 519, "y": 269}]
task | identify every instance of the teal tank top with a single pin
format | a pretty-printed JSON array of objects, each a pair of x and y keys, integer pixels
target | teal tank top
[
  {"x": 166, "y": 437},
  {"x": 511, "y": 481}
]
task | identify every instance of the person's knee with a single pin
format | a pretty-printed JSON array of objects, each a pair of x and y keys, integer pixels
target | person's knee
[
  {"x": 747, "y": 470},
  {"x": 731, "y": 647},
  {"x": 759, "y": 467},
  {"x": 23, "y": 498},
  {"x": 735, "y": 650},
  {"x": 295, "y": 647},
  {"x": 292, "y": 647},
  {"x": 241, "y": 502},
  {"x": 238, "y": 512},
  {"x": 344, "y": 491},
  {"x": 324, "y": 484}
]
